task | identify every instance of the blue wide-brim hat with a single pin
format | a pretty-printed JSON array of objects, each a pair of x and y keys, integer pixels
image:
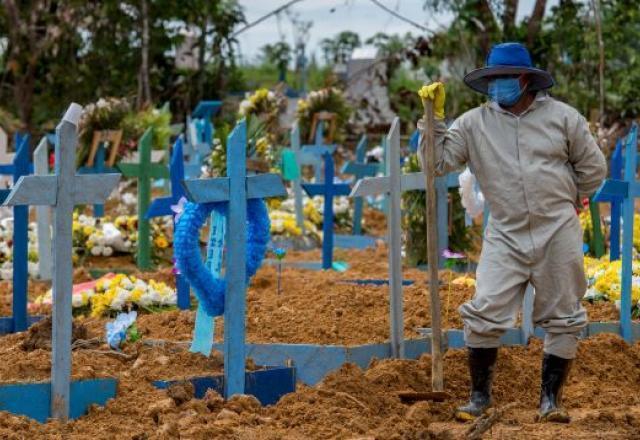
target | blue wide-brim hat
[{"x": 508, "y": 59}]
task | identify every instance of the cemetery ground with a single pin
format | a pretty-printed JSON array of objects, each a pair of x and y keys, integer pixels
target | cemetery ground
[{"x": 603, "y": 394}]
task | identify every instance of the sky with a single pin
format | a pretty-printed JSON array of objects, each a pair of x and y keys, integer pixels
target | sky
[{"x": 333, "y": 16}]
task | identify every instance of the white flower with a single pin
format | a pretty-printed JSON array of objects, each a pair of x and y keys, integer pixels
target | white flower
[
  {"x": 121, "y": 298},
  {"x": 96, "y": 251},
  {"x": 107, "y": 251},
  {"x": 126, "y": 283},
  {"x": 76, "y": 300},
  {"x": 277, "y": 225},
  {"x": 129, "y": 199},
  {"x": 245, "y": 105}
]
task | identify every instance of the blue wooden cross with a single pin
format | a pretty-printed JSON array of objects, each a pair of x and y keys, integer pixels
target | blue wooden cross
[
  {"x": 360, "y": 169},
  {"x": 628, "y": 189},
  {"x": 98, "y": 167},
  {"x": 63, "y": 190},
  {"x": 20, "y": 167},
  {"x": 162, "y": 206},
  {"x": 235, "y": 189},
  {"x": 329, "y": 189},
  {"x": 615, "y": 200},
  {"x": 312, "y": 154},
  {"x": 199, "y": 136}
]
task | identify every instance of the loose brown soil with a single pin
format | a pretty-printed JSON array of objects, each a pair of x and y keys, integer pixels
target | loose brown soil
[
  {"x": 603, "y": 396},
  {"x": 319, "y": 307},
  {"x": 314, "y": 306}
]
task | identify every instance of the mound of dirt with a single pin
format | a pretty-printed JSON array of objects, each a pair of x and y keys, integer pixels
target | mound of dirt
[{"x": 603, "y": 396}]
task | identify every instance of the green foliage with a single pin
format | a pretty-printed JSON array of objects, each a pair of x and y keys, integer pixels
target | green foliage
[
  {"x": 414, "y": 221},
  {"x": 135, "y": 124},
  {"x": 339, "y": 48},
  {"x": 81, "y": 51}
]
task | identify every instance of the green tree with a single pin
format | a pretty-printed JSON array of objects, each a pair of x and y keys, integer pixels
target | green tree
[
  {"x": 339, "y": 48},
  {"x": 278, "y": 54}
]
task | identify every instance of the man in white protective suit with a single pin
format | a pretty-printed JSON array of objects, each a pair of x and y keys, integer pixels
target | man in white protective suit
[{"x": 535, "y": 159}]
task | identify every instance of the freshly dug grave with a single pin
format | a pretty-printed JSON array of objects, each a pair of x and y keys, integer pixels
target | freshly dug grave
[
  {"x": 27, "y": 357},
  {"x": 603, "y": 396},
  {"x": 320, "y": 307}
]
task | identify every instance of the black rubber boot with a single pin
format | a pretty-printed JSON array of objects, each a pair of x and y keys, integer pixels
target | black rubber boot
[
  {"x": 482, "y": 363},
  {"x": 554, "y": 374}
]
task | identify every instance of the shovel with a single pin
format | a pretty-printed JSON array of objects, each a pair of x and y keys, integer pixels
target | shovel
[{"x": 437, "y": 393}]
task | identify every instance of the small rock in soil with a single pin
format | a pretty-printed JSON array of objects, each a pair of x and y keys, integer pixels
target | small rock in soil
[
  {"x": 160, "y": 407},
  {"x": 181, "y": 392},
  {"x": 39, "y": 335},
  {"x": 243, "y": 402},
  {"x": 226, "y": 414},
  {"x": 214, "y": 401}
]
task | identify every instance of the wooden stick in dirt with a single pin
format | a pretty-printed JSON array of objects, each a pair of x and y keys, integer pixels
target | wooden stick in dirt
[
  {"x": 429, "y": 158},
  {"x": 484, "y": 423}
]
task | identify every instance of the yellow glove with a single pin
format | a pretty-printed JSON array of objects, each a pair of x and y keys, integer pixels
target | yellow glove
[{"x": 434, "y": 91}]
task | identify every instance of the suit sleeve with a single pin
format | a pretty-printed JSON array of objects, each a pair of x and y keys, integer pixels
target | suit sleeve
[
  {"x": 587, "y": 160},
  {"x": 450, "y": 144}
]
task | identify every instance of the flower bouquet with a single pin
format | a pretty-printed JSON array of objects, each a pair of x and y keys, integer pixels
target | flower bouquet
[
  {"x": 114, "y": 293},
  {"x": 604, "y": 282},
  {"x": 330, "y": 99}
]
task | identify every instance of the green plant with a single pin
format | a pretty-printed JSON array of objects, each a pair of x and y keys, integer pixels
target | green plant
[
  {"x": 135, "y": 124},
  {"x": 414, "y": 206}
]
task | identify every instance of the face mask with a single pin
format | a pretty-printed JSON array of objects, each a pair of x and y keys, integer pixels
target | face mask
[{"x": 505, "y": 91}]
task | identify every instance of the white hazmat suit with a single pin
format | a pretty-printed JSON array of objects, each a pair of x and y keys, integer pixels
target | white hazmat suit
[{"x": 532, "y": 169}]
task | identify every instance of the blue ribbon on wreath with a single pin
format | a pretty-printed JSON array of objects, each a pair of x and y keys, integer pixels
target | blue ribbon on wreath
[{"x": 210, "y": 290}]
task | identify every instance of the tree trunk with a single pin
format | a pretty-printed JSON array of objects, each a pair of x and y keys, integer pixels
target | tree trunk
[
  {"x": 509, "y": 18},
  {"x": 535, "y": 21},
  {"x": 487, "y": 24},
  {"x": 144, "y": 88},
  {"x": 596, "y": 13},
  {"x": 202, "y": 47}
]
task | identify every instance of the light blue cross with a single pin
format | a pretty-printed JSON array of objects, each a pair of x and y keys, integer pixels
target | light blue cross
[
  {"x": 199, "y": 136},
  {"x": 63, "y": 190},
  {"x": 628, "y": 189},
  {"x": 235, "y": 189}
]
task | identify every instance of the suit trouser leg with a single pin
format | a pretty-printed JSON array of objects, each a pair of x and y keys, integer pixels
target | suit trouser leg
[
  {"x": 501, "y": 280},
  {"x": 560, "y": 284}
]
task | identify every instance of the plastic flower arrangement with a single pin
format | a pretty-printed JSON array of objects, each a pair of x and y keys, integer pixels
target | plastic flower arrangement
[
  {"x": 105, "y": 114},
  {"x": 283, "y": 218},
  {"x": 103, "y": 237},
  {"x": 330, "y": 99},
  {"x": 604, "y": 281},
  {"x": 114, "y": 293},
  {"x": 6, "y": 249}
]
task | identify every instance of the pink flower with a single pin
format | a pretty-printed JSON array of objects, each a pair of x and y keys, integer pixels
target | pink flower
[
  {"x": 179, "y": 208},
  {"x": 447, "y": 253}
]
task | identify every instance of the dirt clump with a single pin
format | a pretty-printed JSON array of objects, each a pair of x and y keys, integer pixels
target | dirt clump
[{"x": 39, "y": 334}]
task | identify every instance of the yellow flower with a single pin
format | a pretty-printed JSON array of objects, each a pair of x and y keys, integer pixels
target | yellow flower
[
  {"x": 464, "y": 281},
  {"x": 87, "y": 230},
  {"x": 161, "y": 242},
  {"x": 136, "y": 294}
]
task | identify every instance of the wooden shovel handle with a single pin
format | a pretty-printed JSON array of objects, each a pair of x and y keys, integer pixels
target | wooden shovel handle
[{"x": 429, "y": 159}]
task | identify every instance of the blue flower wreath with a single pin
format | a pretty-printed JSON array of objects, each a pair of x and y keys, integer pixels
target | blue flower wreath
[{"x": 210, "y": 290}]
